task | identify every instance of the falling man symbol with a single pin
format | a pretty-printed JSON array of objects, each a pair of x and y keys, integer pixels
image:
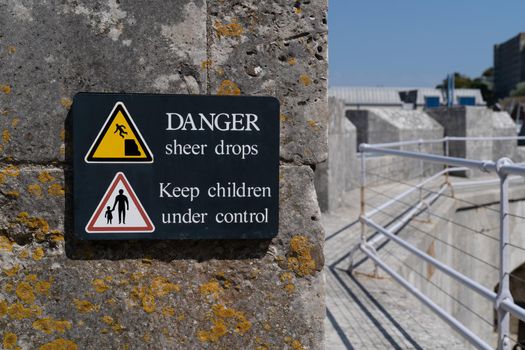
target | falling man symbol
[
  {"x": 120, "y": 129},
  {"x": 122, "y": 204}
]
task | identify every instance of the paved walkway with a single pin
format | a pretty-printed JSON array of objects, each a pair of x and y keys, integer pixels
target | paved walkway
[{"x": 367, "y": 312}]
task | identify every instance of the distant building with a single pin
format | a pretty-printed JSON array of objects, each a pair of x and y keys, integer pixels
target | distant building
[
  {"x": 509, "y": 65},
  {"x": 407, "y": 98}
]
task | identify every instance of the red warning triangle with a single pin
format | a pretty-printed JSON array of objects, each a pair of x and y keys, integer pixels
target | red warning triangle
[{"x": 120, "y": 210}]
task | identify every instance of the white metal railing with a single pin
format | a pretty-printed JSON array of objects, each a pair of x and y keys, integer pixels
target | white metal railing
[{"x": 502, "y": 300}]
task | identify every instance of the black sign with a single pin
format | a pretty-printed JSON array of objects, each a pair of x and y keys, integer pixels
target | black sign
[{"x": 152, "y": 166}]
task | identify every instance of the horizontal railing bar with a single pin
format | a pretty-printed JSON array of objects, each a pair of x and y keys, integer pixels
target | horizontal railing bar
[
  {"x": 413, "y": 189},
  {"x": 513, "y": 169},
  {"x": 484, "y": 182},
  {"x": 484, "y": 138},
  {"x": 451, "y": 321},
  {"x": 514, "y": 309},
  {"x": 449, "y": 138},
  {"x": 408, "y": 216},
  {"x": 408, "y": 143},
  {"x": 462, "y": 162},
  {"x": 480, "y": 289}
]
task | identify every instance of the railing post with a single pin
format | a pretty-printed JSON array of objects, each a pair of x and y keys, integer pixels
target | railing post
[
  {"x": 362, "y": 195},
  {"x": 446, "y": 155},
  {"x": 362, "y": 204},
  {"x": 504, "y": 257}
]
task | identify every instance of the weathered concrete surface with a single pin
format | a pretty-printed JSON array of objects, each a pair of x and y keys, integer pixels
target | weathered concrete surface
[
  {"x": 367, "y": 311},
  {"x": 466, "y": 121},
  {"x": 339, "y": 172},
  {"x": 381, "y": 125},
  {"x": 56, "y": 291}
]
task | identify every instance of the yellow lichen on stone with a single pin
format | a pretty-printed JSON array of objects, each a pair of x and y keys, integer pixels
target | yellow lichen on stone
[
  {"x": 38, "y": 254},
  {"x": 84, "y": 306},
  {"x": 32, "y": 278},
  {"x": 286, "y": 276},
  {"x": 283, "y": 118},
  {"x": 12, "y": 194},
  {"x": 56, "y": 190},
  {"x": 24, "y": 254},
  {"x": 160, "y": 286},
  {"x": 49, "y": 325},
  {"x": 221, "y": 314},
  {"x": 305, "y": 79},
  {"x": 99, "y": 285},
  {"x": 10, "y": 339},
  {"x": 9, "y": 288},
  {"x": 33, "y": 223},
  {"x": 18, "y": 311},
  {"x": 292, "y": 61},
  {"x": 117, "y": 327},
  {"x": 146, "y": 337},
  {"x": 3, "y": 308},
  {"x": 218, "y": 330},
  {"x": 6, "y": 136},
  {"x": 212, "y": 287},
  {"x": 6, "y": 244},
  {"x": 12, "y": 271},
  {"x": 228, "y": 87},
  {"x": 300, "y": 260},
  {"x": 168, "y": 311},
  {"x": 108, "y": 320},
  {"x": 296, "y": 345},
  {"x": 24, "y": 292},
  {"x": 312, "y": 123},
  {"x": 45, "y": 176},
  {"x": 11, "y": 170},
  {"x": 66, "y": 102},
  {"x": 228, "y": 29},
  {"x": 35, "y": 190},
  {"x": 15, "y": 122},
  {"x": 290, "y": 287},
  {"x": 11, "y": 49},
  {"x": 59, "y": 344},
  {"x": 206, "y": 64},
  {"x": 6, "y": 89},
  {"x": 148, "y": 303},
  {"x": 42, "y": 287}
]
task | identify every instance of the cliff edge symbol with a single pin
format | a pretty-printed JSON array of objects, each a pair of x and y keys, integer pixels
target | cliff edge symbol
[{"x": 119, "y": 140}]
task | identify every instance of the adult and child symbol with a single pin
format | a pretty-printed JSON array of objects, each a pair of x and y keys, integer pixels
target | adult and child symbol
[{"x": 122, "y": 204}]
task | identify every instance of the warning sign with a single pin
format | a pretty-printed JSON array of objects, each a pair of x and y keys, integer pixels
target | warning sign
[
  {"x": 120, "y": 210},
  {"x": 119, "y": 140},
  {"x": 215, "y": 174}
]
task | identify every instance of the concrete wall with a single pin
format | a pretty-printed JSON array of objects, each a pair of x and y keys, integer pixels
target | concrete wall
[
  {"x": 57, "y": 292},
  {"x": 340, "y": 171},
  {"x": 464, "y": 121},
  {"x": 393, "y": 125},
  {"x": 473, "y": 229}
]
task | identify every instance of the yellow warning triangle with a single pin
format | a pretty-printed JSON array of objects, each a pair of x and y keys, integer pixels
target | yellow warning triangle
[{"x": 119, "y": 140}]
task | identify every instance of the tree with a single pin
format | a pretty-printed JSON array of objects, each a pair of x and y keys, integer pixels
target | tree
[
  {"x": 482, "y": 83},
  {"x": 519, "y": 90}
]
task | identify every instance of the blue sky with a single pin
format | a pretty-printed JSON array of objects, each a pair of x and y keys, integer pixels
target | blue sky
[{"x": 416, "y": 42}]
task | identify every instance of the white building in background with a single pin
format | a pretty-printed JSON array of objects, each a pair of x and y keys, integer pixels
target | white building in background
[{"x": 356, "y": 97}]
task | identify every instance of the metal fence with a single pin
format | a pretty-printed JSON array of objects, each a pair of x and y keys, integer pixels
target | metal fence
[{"x": 502, "y": 300}]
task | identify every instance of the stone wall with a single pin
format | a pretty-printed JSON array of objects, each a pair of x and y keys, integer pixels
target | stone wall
[{"x": 56, "y": 291}]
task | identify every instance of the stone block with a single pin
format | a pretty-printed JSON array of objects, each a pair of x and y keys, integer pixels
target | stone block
[{"x": 165, "y": 294}]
